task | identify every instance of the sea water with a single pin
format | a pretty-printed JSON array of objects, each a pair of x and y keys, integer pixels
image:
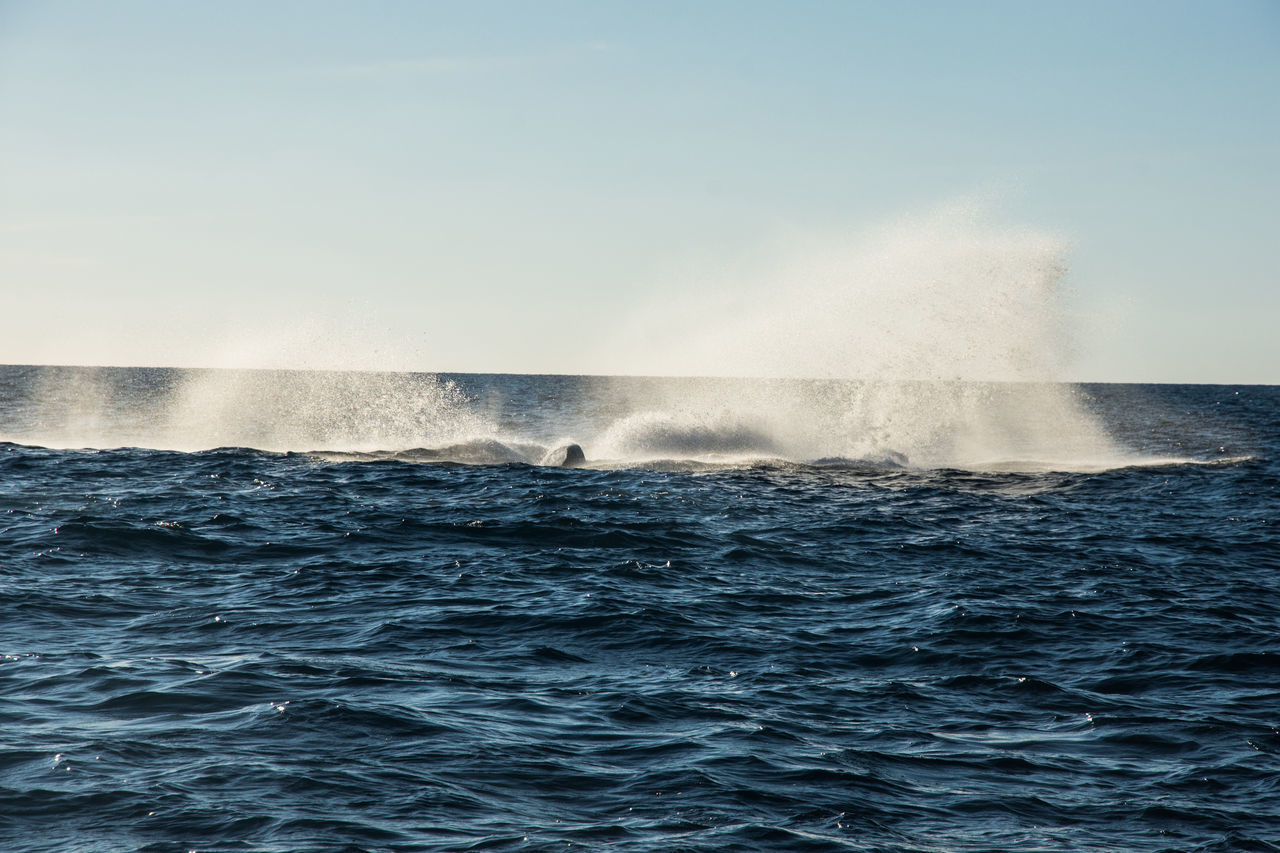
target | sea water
[{"x": 254, "y": 610}]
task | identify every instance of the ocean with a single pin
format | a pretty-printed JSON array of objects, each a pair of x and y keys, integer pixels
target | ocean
[{"x": 257, "y": 610}]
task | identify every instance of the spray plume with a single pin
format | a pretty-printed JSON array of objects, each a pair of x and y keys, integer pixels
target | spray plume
[{"x": 934, "y": 342}]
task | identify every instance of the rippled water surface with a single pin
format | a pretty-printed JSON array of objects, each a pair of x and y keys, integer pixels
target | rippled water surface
[{"x": 718, "y": 635}]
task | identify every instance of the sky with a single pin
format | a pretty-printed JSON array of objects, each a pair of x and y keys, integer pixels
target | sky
[{"x": 583, "y": 187}]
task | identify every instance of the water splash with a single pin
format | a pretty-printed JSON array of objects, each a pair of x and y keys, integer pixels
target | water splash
[
  {"x": 941, "y": 339},
  {"x": 312, "y": 410},
  {"x": 973, "y": 425},
  {"x": 276, "y": 410},
  {"x": 934, "y": 342}
]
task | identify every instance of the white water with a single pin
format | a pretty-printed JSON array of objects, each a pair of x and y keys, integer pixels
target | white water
[
  {"x": 1029, "y": 426},
  {"x": 261, "y": 409},
  {"x": 932, "y": 342},
  {"x": 950, "y": 329}
]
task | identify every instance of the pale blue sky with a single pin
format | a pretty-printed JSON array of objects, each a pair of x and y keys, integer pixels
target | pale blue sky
[{"x": 506, "y": 186}]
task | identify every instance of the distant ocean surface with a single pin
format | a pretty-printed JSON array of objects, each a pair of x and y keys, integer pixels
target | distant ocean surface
[{"x": 342, "y": 611}]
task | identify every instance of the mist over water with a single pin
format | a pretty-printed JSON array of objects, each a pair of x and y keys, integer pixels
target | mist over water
[
  {"x": 940, "y": 297},
  {"x": 934, "y": 342}
]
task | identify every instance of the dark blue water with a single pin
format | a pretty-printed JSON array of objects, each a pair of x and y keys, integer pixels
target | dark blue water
[{"x": 243, "y": 649}]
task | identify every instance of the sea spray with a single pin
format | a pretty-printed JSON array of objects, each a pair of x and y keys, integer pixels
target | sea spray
[
  {"x": 315, "y": 410},
  {"x": 944, "y": 296},
  {"x": 940, "y": 339},
  {"x": 934, "y": 342},
  {"x": 280, "y": 410}
]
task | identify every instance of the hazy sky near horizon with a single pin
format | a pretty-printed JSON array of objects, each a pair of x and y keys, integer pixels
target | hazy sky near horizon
[{"x": 577, "y": 187}]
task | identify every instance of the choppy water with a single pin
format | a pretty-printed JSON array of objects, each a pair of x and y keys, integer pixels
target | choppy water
[{"x": 764, "y": 616}]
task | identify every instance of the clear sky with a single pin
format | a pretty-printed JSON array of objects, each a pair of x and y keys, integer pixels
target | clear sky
[{"x": 508, "y": 186}]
